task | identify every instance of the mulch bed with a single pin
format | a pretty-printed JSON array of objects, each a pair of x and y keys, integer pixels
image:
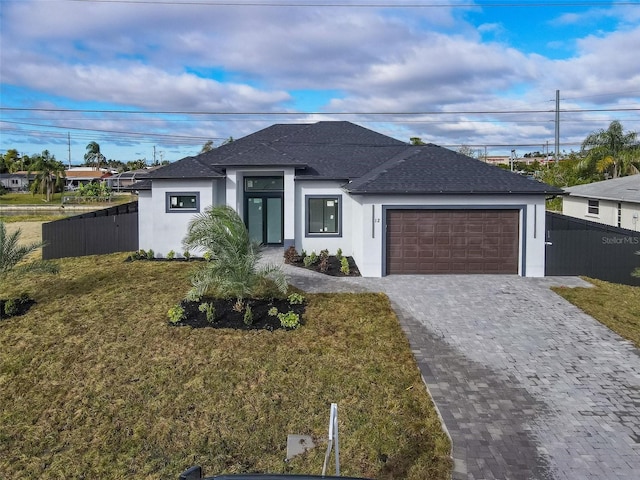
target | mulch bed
[
  {"x": 227, "y": 317},
  {"x": 333, "y": 267},
  {"x": 21, "y": 306}
]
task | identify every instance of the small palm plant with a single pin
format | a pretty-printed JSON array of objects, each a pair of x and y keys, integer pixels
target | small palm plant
[
  {"x": 12, "y": 256},
  {"x": 234, "y": 270}
]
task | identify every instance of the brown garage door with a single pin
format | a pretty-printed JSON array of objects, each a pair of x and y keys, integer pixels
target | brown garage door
[{"x": 452, "y": 241}]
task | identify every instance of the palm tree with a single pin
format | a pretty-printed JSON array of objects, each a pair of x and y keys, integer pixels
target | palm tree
[
  {"x": 93, "y": 155},
  {"x": 611, "y": 151},
  {"x": 49, "y": 174},
  {"x": 233, "y": 270},
  {"x": 12, "y": 255}
]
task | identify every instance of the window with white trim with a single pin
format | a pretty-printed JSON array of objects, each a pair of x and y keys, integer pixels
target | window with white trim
[
  {"x": 183, "y": 202},
  {"x": 324, "y": 215},
  {"x": 594, "y": 207}
]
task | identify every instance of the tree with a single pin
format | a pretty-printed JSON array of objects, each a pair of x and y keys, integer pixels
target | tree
[
  {"x": 12, "y": 255},
  {"x": 94, "y": 157},
  {"x": 611, "y": 151},
  {"x": 467, "y": 150},
  {"x": 207, "y": 147},
  {"x": 416, "y": 141},
  {"x": 49, "y": 174},
  {"x": 10, "y": 161},
  {"x": 137, "y": 164},
  {"x": 234, "y": 270}
]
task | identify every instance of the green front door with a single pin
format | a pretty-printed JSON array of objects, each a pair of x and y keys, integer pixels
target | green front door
[
  {"x": 264, "y": 209},
  {"x": 264, "y": 219}
]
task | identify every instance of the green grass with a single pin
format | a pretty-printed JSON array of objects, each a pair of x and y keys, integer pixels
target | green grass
[
  {"x": 56, "y": 199},
  {"x": 30, "y": 218},
  {"x": 94, "y": 383},
  {"x": 614, "y": 305}
]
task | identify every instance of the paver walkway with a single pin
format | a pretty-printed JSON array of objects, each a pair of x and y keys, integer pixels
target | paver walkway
[{"x": 528, "y": 386}]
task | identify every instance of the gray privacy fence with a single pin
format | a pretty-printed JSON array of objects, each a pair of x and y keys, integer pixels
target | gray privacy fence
[
  {"x": 110, "y": 230},
  {"x": 581, "y": 247}
]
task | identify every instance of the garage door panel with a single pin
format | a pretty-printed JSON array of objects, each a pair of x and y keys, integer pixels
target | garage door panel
[{"x": 452, "y": 241}]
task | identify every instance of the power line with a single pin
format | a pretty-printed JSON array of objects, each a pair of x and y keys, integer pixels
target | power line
[{"x": 288, "y": 113}]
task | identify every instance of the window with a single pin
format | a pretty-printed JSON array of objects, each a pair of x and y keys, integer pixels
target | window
[
  {"x": 183, "y": 202},
  {"x": 619, "y": 214},
  {"x": 264, "y": 184},
  {"x": 594, "y": 207},
  {"x": 323, "y": 215}
]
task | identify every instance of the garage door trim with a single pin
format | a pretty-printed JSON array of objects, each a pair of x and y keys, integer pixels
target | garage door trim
[{"x": 522, "y": 208}]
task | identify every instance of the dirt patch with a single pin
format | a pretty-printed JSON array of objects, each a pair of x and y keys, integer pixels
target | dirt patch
[{"x": 31, "y": 231}]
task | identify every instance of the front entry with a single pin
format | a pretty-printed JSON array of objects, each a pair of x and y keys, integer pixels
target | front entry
[{"x": 264, "y": 209}]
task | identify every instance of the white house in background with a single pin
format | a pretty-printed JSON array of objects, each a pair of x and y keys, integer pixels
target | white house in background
[
  {"x": 614, "y": 202},
  {"x": 17, "y": 181},
  {"x": 76, "y": 176},
  {"x": 396, "y": 208}
]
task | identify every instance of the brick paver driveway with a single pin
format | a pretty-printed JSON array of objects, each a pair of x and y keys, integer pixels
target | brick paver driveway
[{"x": 528, "y": 386}]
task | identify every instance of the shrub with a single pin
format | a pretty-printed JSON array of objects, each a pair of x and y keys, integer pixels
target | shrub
[
  {"x": 209, "y": 309},
  {"x": 344, "y": 266},
  {"x": 151, "y": 254},
  {"x": 303, "y": 254},
  {"x": 324, "y": 253},
  {"x": 248, "y": 316},
  {"x": 289, "y": 319},
  {"x": 236, "y": 271},
  {"x": 324, "y": 263},
  {"x": 11, "y": 307},
  {"x": 176, "y": 314},
  {"x": 291, "y": 255},
  {"x": 310, "y": 259},
  {"x": 15, "y": 306},
  {"x": 207, "y": 256},
  {"x": 295, "y": 299},
  {"x": 186, "y": 255},
  {"x": 273, "y": 312},
  {"x": 239, "y": 305},
  {"x": 171, "y": 255},
  {"x": 339, "y": 254}
]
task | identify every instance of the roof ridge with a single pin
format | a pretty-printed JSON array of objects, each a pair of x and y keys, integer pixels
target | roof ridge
[{"x": 384, "y": 167}]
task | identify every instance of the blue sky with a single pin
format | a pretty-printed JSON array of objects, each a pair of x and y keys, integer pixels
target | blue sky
[{"x": 449, "y": 72}]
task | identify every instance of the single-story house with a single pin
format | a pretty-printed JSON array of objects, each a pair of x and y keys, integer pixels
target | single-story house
[
  {"x": 614, "y": 202},
  {"x": 394, "y": 207},
  {"x": 17, "y": 181},
  {"x": 77, "y": 176}
]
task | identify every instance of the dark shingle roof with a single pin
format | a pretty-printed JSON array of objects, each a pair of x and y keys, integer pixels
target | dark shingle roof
[
  {"x": 189, "y": 167},
  {"x": 430, "y": 169},
  {"x": 371, "y": 161}
]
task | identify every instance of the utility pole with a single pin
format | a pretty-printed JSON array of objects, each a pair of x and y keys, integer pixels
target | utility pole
[
  {"x": 69, "y": 145},
  {"x": 557, "y": 126},
  {"x": 154, "y": 154}
]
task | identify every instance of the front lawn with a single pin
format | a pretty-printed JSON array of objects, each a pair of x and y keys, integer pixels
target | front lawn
[
  {"x": 616, "y": 306},
  {"x": 95, "y": 384}
]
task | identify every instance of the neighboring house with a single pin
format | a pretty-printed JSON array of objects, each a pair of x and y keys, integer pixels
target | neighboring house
[
  {"x": 394, "y": 207},
  {"x": 614, "y": 202},
  {"x": 17, "y": 181},
  {"x": 124, "y": 180},
  {"x": 77, "y": 176}
]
